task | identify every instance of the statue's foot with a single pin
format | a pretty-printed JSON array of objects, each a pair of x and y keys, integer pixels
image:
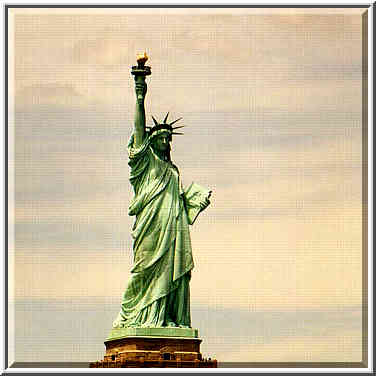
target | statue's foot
[
  {"x": 171, "y": 324},
  {"x": 117, "y": 324},
  {"x": 184, "y": 326}
]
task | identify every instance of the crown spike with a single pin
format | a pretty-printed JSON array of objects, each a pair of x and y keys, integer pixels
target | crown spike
[
  {"x": 176, "y": 133},
  {"x": 155, "y": 121},
  {"x": 182, "y": 126},
  {"x": 165, "y": 119},
  {"x": 176, "y": 121}
]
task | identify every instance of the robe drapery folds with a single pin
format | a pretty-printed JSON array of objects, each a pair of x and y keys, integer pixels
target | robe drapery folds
[{"x": 158, "y": 290}]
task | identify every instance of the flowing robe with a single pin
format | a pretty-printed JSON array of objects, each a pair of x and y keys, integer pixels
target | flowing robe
[{"x": 158, "y": 290}]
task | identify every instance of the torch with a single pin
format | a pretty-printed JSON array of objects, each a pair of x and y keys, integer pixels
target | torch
[{"x": 140, "y": 71}]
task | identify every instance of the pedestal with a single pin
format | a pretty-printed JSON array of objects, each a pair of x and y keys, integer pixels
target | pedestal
[{"x": 153, "y": 347}]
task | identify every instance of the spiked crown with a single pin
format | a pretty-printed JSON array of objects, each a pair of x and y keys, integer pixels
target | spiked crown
[{"x": 163, "y": 127}]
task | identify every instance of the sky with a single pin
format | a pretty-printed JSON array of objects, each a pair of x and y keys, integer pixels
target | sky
[{"x": 271, "y": 101}]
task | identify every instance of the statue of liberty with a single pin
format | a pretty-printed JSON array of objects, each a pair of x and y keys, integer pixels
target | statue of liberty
[{"x": 157, "y": 294}]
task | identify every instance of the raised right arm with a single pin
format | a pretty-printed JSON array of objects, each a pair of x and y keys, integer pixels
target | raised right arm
[{"x": 139, "y": 119}]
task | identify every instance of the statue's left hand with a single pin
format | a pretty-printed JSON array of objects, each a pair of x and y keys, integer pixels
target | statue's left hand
[{"x": 206, "y": 202}]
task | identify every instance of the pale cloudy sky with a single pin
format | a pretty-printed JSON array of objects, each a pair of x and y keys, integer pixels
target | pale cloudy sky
[{"x": 271, "y": 101}]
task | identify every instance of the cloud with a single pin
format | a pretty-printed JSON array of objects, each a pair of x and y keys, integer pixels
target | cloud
[
  {"x": 291, "y": 263},
  {"x": 284, "y": 61},
  {"x": 309, "y": 178},
  {"x": 228, "y": 334},
  {"x": 51, "y": 94},
  {"x": 297, "y": 177},
  {"x": 65, "y": 238},
  {"x": 101, "y": 51},
  {"x": 346, "y": 347},
  {"x": 63, "y": 157},
  {"x": 284, "y": 225},
  {"x": 295, "y": 335},
  {"x": 87, "y": 275}
]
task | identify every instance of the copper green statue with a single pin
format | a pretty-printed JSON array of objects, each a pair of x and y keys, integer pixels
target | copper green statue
[{"x": 157, "y": 294}]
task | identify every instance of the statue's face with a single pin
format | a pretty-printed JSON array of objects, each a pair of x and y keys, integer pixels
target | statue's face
[{"x": 162, "y": 143}]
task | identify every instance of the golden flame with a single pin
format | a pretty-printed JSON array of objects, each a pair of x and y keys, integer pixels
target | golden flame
[{"x": 142, "y": 58}]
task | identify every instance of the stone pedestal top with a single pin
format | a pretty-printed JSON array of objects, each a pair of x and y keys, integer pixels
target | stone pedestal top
[
  {"x": 152, "y": 332},
  {"x": 153, "y": 347}
]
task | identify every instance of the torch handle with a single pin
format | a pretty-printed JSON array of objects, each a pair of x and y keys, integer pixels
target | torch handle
[{"x": 141, "y": 87}]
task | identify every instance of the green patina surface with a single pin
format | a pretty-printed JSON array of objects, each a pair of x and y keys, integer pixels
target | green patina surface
[
  {"x": 152, "y": 332},
  {"x": 156, "y": 300}
]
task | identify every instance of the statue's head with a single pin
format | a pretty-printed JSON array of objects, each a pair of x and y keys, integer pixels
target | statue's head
[
  {"x": 161, "y": 135},
  {"x": 161, "y": 143}
]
